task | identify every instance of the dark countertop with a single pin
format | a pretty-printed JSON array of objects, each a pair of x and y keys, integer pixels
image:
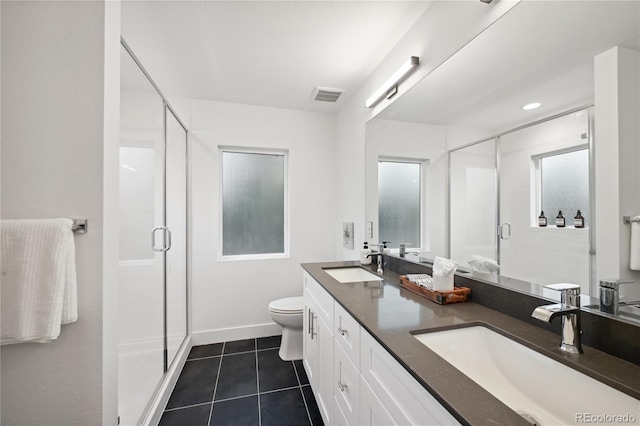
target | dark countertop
[{"x": 390, "y": 313}]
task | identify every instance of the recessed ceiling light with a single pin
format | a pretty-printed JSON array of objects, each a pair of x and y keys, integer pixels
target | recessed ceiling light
[{"x": 532, "y": 105}]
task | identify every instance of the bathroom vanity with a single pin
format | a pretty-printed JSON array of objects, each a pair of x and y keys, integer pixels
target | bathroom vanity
[{"x": 366, "y": 365}]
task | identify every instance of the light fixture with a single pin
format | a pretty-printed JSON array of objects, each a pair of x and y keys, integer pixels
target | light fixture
[
  {"x": 532, "y": 105},
  {"x": 390, "y": 87}
]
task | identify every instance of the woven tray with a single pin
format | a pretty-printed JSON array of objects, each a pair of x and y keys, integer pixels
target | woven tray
[{"x": 457, "y": 295}]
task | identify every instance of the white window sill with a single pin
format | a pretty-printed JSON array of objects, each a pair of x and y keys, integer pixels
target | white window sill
[{"x": 254, "y": 257}]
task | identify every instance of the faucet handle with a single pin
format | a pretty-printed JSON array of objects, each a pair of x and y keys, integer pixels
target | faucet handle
[
  {"x": 613, "y": 283},
  {"x": 564, "y": 288},
  {"x": 569, "y": 293}
]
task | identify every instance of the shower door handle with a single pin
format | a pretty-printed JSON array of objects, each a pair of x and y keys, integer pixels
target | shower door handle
[
  {"x": 166, "y": 235},
  {"x": 501, "y": 233}
]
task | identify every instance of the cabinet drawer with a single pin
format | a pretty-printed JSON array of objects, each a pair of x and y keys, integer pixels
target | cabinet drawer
[
  {"x": 407, "y": 401},
  {"x": 321, "y": 298},
  {"x": 347, "y": 332},
  {"x": 346, "y": 382}
]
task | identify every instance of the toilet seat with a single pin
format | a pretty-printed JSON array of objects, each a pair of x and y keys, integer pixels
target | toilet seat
[{"x": 288, "y": 305}]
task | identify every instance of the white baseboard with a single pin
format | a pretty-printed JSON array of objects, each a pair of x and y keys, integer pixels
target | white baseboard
[{"x": 235, "y": 333}]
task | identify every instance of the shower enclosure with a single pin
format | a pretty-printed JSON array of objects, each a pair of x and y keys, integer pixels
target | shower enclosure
[
  {"x": 153, "y": 244},
  {"x": 499, "y": 186}
]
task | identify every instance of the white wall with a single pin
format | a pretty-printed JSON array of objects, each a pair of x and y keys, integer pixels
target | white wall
[
  {"x": 60, "y": 80},
  {"x": 617, "y": 93},
  {"x": 387, "y": 138},
  {"x": 230, "y": 298},
  {"x": 440, "y": 32}
]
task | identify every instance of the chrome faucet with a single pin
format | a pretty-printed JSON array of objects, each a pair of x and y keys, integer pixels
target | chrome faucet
[
  {"x": 610, "y": 295},
  {"x": 569, "y": 310},
  {"x": 379, "y": 257}
]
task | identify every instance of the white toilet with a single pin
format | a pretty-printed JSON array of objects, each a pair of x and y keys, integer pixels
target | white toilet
[{"x": 288, "y": 314}]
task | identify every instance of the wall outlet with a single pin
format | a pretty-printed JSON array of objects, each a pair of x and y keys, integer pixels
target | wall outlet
[{"x": 369, "y": 231}]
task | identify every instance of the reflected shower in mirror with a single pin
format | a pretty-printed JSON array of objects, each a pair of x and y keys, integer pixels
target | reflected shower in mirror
[{"x": 466, "y": 122}]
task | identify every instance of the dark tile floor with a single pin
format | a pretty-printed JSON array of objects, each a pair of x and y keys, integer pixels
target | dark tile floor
[{"x": 241, "y": 383}]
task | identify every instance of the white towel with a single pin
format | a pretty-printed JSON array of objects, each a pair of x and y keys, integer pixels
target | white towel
[
  {"x": 634, "y": 261},
  {"x": 39, "y": 286}
]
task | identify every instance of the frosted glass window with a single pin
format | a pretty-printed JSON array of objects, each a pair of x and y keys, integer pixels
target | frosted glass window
[
  {"x": 253, "y": 203},
  {"x": 399, "y": 204},
  {"x": 565, "y": 185}
]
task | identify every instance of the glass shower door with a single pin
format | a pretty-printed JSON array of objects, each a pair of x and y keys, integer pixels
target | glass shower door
[
  {"x": 176, "y": 222},
  {"x": 546, "y": 167},
  {"x": 141, "y": 269},
  {"x": 473, "y": 201}
]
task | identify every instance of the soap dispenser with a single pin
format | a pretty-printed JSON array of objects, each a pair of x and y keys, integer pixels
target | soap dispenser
[
  {"x": 542, "y": 219},
  {"x": 385, "y": 249},
  {"x": 365, "y": 259},
  {"x": 578, "y": 221},
  {"x": 560, "y": 222}
]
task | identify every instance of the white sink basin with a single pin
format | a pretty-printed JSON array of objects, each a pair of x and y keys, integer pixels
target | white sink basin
[
  {"x": 528, "y": 382},
  {"x": 352, "y": 275}
]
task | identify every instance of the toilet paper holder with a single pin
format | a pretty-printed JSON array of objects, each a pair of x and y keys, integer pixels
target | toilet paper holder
[{"x": 627, "y": 220}]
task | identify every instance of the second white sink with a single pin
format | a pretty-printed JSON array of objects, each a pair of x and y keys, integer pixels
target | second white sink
[
  {"x": 533, "y": 385},
  {"x": 352, "y": 275}
]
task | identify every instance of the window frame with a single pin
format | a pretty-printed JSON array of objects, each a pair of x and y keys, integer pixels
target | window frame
[
  {"x": 286, "y": 229},
  {"x": 424, "y": 194},
  {"x": 536, "y": 164}
]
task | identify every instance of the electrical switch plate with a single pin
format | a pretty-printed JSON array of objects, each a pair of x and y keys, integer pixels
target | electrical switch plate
[{"x": 369, "y": 232}]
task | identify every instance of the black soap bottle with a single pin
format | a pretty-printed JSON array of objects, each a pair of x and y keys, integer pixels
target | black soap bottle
[
  {"x": 542, "y": 219},
  {"x": 578, "y": 221},
  {"x": 560, "y": 222}
]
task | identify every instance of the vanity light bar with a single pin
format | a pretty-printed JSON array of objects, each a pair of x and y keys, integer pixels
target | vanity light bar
[{"x": 390, "y": 87}]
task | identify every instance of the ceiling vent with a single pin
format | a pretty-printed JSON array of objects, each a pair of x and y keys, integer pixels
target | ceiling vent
[{"x": 326, "y": 94}]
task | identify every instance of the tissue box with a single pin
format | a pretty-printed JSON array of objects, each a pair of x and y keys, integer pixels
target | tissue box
[
  {"x": 457, "y": 295},
  {"x": 443, "y": 283}
]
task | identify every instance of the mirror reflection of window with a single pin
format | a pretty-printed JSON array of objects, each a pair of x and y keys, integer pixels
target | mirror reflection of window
[
  {"x": 400, "y": 202},
  {"x": 564, "y": 185}
]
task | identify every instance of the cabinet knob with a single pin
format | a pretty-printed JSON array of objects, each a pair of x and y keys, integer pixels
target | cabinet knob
[
  {"x": 341, "y": 386},
  {"x": 342, "y": 331}
]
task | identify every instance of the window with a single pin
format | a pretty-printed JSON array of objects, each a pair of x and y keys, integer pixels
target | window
[
  {"x": 564, "y": 185},
  {"x": 400, "y": 202},
  {"x": 254, "y": 204}
]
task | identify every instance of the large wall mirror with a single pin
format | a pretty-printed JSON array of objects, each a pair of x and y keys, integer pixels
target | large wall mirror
[{"x": 487, "y": 167}]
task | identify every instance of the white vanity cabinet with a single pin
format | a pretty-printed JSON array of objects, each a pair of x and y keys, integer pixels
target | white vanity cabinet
[
  {"x": 354, "y": 379},
  {"x": 403, "y": 398},
  {"x": 318, "y": 345}
]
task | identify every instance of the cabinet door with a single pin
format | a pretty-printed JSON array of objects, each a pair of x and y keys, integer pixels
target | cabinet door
[
  {"x": 310, "y": 345},
  {"x": 372, "y": 411},
  {"x": 407, "y": 401},
  {"x": 324, "y": 390},
  {"x": 346, "y": 382}
]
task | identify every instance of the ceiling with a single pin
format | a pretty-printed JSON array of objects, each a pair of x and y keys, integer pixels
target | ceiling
[
  {"x": 269, "y": 53},
  {"x": 537, "y": 52}
]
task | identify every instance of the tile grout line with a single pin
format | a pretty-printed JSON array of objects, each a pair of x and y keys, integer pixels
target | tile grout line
[
  {"x": 204, "y": 357},
  {"x": 215, "y": 388},
  {"x": 258, "y": 385},
  {"x": 186, "y": 406},
  {"x": 302, "y": 392}
]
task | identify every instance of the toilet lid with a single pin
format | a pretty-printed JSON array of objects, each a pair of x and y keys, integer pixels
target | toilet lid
[{"x": 289, "y": 305}]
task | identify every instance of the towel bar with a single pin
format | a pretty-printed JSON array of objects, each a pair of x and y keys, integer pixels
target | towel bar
[
  {"x": 79, "y": 226},
  {"x": 627, "y": 220}
]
